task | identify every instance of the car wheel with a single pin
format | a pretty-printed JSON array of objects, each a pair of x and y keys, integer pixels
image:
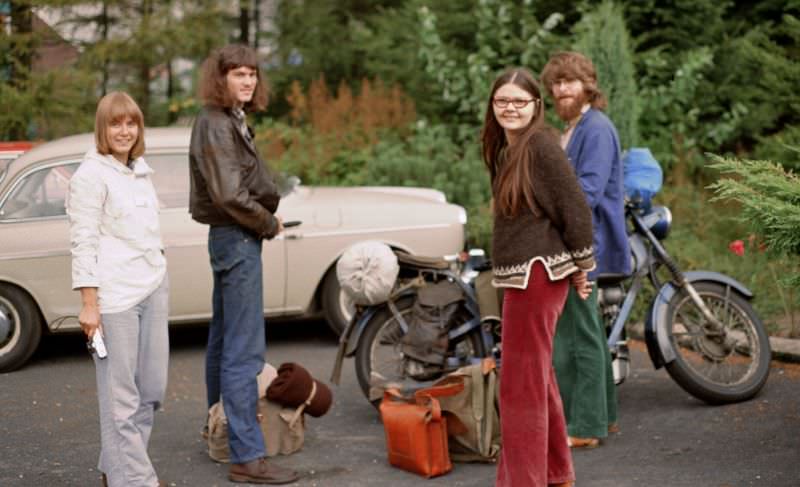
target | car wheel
[
  {"x": 336, "y": 306},
  {"x": 20, "y": 328}
]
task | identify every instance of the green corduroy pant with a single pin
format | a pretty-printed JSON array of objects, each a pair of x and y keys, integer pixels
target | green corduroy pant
[{"x": 583, "y": 368}]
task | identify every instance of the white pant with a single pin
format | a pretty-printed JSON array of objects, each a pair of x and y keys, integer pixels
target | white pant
[{"x": 131, "y": 383}]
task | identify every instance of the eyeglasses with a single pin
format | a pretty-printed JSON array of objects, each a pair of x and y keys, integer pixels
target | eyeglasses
[{"x": 517, "y": 102}]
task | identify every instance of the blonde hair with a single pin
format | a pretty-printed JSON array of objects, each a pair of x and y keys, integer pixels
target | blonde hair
[{"x": 114, "y": 107}]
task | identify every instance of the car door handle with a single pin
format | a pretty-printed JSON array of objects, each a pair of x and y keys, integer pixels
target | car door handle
[{"x": 293, "y": 236}]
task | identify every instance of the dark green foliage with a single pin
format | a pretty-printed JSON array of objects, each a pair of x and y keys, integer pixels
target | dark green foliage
[
  {"x": 320, "y": 37},
  {"x": 603, "y": 37},
  {"x": 769, "y": 198}
]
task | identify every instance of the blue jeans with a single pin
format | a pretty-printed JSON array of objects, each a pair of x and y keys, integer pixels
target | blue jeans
[{"x": 236, "y": 341}]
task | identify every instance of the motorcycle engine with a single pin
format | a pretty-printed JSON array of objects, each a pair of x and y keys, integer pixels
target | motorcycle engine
[{"x": 609, "y": 299}]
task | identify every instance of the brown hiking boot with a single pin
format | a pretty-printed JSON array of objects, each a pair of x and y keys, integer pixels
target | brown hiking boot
[{"x": 261, "y": 471}]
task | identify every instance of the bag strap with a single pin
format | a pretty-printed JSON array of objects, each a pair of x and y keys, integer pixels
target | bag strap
[
  {"x": 393, "y": 393},
  {"x": 301, "y": 408},
  {"x": 451, "y": 387},
  {"x": 434, "y": 408},
  {"x": 490, "y": 383}
]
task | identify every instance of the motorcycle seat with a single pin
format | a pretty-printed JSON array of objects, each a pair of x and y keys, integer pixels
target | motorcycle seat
[
  {"x": 610, "y": 279},
  {"x": 421, "y": 262}
]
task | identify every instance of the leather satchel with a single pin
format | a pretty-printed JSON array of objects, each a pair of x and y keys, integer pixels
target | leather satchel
[{"x": 416, "y": 433}]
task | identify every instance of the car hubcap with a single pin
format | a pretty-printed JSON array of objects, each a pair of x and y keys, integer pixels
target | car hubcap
[{"x": 8, "y": 321}]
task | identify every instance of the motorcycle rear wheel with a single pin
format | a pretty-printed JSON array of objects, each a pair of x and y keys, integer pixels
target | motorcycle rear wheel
[
  {"x": 379, "y": 348},
  {"x": 714, "y": 370}
]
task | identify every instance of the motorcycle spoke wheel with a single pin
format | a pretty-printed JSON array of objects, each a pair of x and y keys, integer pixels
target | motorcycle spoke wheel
[
  {"x": 380, "y": 359},
  {"x": 717, "y": 366}
]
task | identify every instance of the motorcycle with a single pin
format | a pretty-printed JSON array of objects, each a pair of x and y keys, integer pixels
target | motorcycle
[
  {"x": 378, "y": 336},
  {"x": 700, "y": 326}
]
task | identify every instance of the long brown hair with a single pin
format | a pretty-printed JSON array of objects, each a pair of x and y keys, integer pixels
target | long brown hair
[
  {"x": 511, "y": 177},
  {"x": 574, "y": 65},
  {"x": 214, "y": 84}
]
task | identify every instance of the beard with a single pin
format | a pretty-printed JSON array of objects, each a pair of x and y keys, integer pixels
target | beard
[{"x": 570, "y": 108}]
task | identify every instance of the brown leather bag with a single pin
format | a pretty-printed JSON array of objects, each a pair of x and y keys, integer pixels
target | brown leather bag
[{"x": 416, "y": 434}]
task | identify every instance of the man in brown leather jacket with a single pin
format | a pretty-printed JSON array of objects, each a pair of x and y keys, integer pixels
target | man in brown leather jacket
[{"x": 232, "y": 191}]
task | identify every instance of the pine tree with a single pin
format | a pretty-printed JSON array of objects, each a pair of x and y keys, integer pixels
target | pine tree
[
  {"x": 604, "y": 38},
  {"x": 769, "y": 197}
]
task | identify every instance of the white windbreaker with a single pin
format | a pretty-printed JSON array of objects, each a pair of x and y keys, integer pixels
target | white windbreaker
[{"x": 114, "y": 231}]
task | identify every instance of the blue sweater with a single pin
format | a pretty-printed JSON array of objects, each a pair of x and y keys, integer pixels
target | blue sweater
[{"x": 594, "y": 152}]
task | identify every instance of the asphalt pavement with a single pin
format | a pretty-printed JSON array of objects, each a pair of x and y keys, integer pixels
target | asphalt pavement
[{"x": 49, "y": 433}]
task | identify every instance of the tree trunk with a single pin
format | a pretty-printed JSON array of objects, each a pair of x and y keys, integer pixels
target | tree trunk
[
  {"x": 256, "y": 23},
  {"x": 244, "y": 22},
  {"x": 104, "y": 27},
  {"x": 144, "y": 65},
  {"x": 171, "y": 116}
]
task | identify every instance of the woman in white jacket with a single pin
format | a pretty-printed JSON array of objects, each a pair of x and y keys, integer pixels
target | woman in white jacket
[{"x": 119, "y": 268}]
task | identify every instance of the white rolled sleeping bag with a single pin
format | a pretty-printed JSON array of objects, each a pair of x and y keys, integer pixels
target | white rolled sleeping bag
[{"x": 367, "y": 272}]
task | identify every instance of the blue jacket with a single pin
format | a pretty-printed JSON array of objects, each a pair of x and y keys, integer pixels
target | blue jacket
[{"x": 594, "y": 152}]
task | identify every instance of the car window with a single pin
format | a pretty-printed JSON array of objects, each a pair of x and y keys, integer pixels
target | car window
[
  {"x": 171, "y": 178},
  {"x": 40, "y": 194}
]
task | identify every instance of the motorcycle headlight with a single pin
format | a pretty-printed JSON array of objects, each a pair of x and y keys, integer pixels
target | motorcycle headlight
[{"x": 659, "y": 221}]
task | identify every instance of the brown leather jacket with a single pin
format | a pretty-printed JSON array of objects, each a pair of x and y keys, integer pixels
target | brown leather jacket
[{"x": 230, "y": 184}]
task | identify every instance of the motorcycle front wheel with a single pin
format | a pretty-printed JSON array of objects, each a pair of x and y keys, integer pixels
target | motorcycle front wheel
[
  {"x": 717, "y": 368},
  {"x": 379, "y": 357}
]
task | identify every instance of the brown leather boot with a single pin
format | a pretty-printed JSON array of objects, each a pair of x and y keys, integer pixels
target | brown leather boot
[{"x": 261, "y": 471}]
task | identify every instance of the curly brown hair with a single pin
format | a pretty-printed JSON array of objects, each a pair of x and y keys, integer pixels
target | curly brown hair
[
  {"x": 213, "y": 82},
  {"x": 572, "y": 65},
  {"x": 511, "y": 174}
]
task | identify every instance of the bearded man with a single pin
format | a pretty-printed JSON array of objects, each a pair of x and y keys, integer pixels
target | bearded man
[{"x": 580, "y": 355}]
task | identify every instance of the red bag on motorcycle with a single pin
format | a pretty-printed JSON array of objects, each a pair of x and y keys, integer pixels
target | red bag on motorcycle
[{"x": 416, "y": 433}]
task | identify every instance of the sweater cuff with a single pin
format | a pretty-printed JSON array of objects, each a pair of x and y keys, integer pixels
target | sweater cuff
[{"x": 584, "y": 259}]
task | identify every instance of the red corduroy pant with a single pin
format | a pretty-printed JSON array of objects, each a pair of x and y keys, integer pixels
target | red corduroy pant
[{"x": 535, "y": 452}]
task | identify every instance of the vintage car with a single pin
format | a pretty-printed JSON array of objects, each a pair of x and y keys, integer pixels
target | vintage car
[{"x": 299, "y": 265}]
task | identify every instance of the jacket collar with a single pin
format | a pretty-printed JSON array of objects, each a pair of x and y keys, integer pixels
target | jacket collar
[
  {"x": 138, "y": 166},
  {"x": 250, "y": 145}
]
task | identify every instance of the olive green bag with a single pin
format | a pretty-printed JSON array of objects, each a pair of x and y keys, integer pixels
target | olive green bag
[{"x": 473, "y": 419}]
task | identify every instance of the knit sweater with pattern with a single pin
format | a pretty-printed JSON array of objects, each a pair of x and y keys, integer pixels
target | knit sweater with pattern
[{"x": 558, "y": 234}]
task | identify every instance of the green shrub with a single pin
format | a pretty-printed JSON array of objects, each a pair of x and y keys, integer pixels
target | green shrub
[{"x": 602, "y": 36}]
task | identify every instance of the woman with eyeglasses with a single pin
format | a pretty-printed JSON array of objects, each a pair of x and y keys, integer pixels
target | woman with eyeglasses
[{"x": 542, "y": 241}]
